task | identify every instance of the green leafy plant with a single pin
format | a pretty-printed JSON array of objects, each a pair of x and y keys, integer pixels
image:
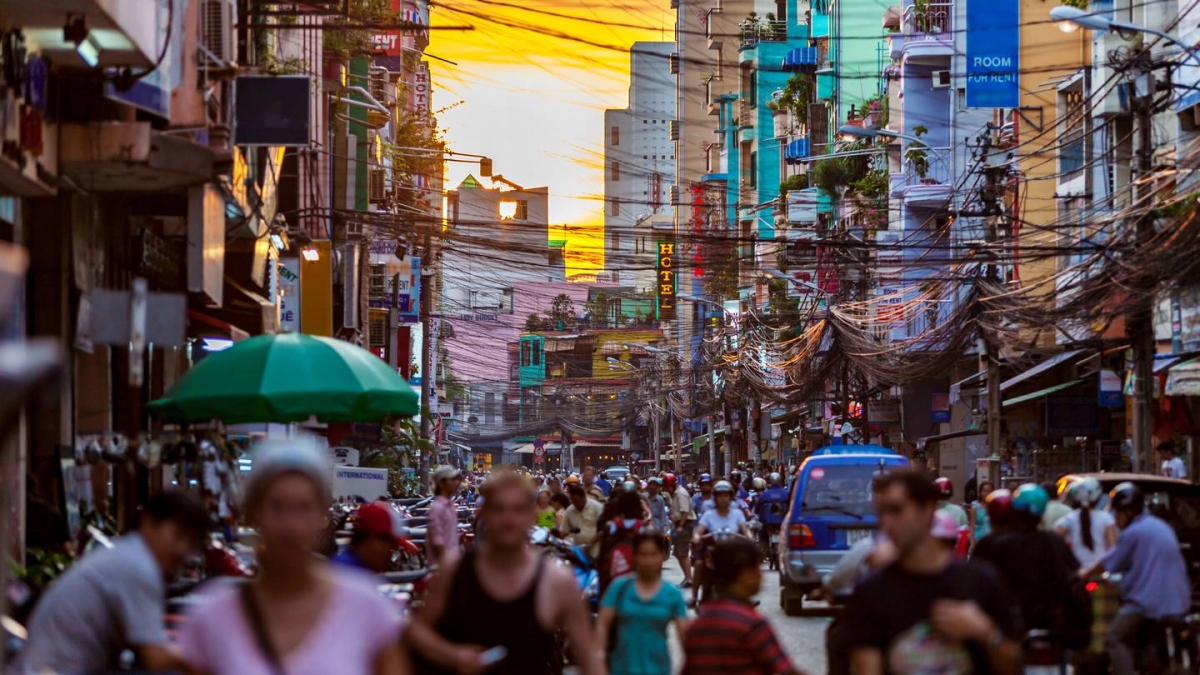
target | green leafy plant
[
  {"x": 356, "y": 41},
  {"x": 834, "y": 174},
  {"x": 918, "y": 152},
  {"x": 794, "y": 182},
  {"x": 41, "y": 567}
]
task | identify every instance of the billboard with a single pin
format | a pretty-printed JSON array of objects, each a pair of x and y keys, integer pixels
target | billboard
[
  {"x": 271, "y": 110},
  {"x": 993, "y": 54}
]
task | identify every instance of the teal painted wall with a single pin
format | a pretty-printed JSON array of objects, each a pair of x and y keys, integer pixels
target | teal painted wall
[{"x": 858, "y": 50}]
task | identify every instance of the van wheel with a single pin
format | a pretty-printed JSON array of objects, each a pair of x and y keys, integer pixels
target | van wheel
[{"x": 793, "y": 605}]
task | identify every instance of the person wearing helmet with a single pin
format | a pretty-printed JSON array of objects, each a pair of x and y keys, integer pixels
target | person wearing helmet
[
  {"x": 702, "y": 499},
  {"x": 1088, "y": 531},
  {"x": 946, "y": 489},
  {"x": 735, "y": 479},
  {"x": 1036, "y": 566},
  {"x": 1154, "y": 580},
  {"x": 725, "y": 517},
  {"x": 572, "y": 479},
  {"x": 771, "y": 509},
  {"x": 683, "y": 517}
]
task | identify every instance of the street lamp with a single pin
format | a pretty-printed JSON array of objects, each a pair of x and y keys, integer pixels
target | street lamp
[
  {"x": 853, "y": 131},
  {"x": 799, "y": 282},
  {"x": 617, "y": 364},
  {"x": 1071, "y": 18}
]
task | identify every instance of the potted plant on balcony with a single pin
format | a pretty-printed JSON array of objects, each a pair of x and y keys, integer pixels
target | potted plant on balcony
[{"x": 917, "y": 154}]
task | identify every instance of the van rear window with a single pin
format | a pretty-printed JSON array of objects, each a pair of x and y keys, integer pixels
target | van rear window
[{"x": 839, "y": 488}]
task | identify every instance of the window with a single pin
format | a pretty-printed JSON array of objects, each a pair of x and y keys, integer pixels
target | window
[
  {"x": 536, "y": 352},
  {"x": 614, "y": 207},
  {"x": 514, "y": 209},
  {"x": 615, "y": 136},
  {"x": 754, "y": 89},
  {"x": 754, "y": 169},
  {"x": 616, "y": 171}
]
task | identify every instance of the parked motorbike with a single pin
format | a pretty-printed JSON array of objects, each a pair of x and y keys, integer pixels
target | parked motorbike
[{"x": 587, "y": 580}]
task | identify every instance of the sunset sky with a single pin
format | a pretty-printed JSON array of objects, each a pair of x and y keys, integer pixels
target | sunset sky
[{"x": 530, "y": 89}]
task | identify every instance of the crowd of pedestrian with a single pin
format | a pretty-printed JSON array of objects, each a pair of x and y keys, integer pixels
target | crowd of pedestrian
[{"x": 990, "y": 586}]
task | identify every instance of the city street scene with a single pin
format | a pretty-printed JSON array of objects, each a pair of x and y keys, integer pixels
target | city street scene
[{"x": 629, "y": 337}]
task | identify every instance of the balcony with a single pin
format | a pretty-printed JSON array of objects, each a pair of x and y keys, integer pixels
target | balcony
[
  {"x": 928, "y": 31},
  {"x": 762, "y": 30},
  {"x": 131, "y": 156},
  {"x": 826, "y": 81},
  {"x": 122, "y": 33},
  {"x": 927, "y": 180}
]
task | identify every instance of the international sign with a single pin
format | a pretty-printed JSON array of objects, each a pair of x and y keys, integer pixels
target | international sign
[
  {"x": 993, "y": 54},
  {"x": 666, "y": 279}
]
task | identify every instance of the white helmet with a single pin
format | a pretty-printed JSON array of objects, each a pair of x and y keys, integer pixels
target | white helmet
[
  {"x": 759, "y": 484},
  {"x": 723, "y": 486},
  {"x": 1087, "y": 492}
]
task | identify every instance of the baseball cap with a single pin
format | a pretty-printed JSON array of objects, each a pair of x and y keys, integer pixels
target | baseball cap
[
  {"x": 445, "y": 473},
  {"x": 374, "y": 520}
]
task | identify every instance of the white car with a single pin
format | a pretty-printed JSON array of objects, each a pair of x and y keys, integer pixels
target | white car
[{"x": 616, "y": 474}]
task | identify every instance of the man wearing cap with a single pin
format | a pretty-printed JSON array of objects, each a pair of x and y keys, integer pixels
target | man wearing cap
[
  {"x": 373, "y": 541},
  {"x": 441, "y": 530}
]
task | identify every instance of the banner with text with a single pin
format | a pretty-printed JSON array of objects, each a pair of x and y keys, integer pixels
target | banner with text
[{"x": 993, "y": 54}]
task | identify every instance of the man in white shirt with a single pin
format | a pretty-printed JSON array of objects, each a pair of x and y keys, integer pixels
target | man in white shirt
[
  {"x": 1172, "y": 466},
  {"x": 583, "y": 515}
]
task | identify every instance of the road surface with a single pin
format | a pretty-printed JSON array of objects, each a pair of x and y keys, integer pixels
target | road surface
[{"x": 802, "y": 637}]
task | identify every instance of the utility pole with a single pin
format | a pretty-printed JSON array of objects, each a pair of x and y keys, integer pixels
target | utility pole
[
  {"x": 989, "y": 360},
  {"x": 1140, "y": 322},
  {"x": 426, "y": 296},
  {"x": 712, "y": 447}
]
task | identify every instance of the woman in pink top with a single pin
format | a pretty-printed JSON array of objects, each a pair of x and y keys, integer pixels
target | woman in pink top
[{"x": 299, "y": 616}]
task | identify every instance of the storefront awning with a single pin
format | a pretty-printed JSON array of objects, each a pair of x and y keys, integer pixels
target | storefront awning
[
  {"x": 1040, "y": 368},
  {"x": 1184, "y": 379},
  {"x": 1042, "y": 393},
  {"x": 700, "y": 443},
  {"x": 961, "y": 433}
]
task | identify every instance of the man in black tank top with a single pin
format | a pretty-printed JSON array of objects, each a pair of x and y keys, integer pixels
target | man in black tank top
[{"x": 501, "y": 595}]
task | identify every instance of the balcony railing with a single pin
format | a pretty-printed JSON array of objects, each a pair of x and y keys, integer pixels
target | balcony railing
[
  {"x": 754, "y": 32},
  {"x": 932, "y": 18},
  {"x": 929, "y": 170}
]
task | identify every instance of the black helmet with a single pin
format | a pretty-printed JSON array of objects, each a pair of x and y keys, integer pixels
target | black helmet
[{"x": 1126, "y": 497}]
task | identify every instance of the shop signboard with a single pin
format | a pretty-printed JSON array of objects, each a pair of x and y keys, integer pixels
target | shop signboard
[
  {"x": 1189, "y": 318},
  {"x": 289, "y": 295},
  {"x": 993, "y": 54},
  {"x": 940, "y": 408},
  {"x": 666, "y": 279},
  {"x": 1111, "y": 392},
  {"x": 408, "y": 290}
]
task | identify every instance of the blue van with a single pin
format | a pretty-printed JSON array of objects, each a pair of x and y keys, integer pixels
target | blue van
[{"x": 830, "y": 510}]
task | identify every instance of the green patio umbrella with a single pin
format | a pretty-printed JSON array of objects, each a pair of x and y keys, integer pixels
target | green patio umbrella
[{"x": 288, "y": 378}]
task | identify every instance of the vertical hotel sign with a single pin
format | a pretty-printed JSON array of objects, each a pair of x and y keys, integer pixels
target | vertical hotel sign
[
  {"x": 993, "y": 54},
  {"x": 666, "y": 279}
]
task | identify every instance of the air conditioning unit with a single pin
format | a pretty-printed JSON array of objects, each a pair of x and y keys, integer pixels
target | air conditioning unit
[
  {"x": 378, "y": 280},
  {"x": 941, "y": 79},
  {"x": 216, "y": 31}
]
